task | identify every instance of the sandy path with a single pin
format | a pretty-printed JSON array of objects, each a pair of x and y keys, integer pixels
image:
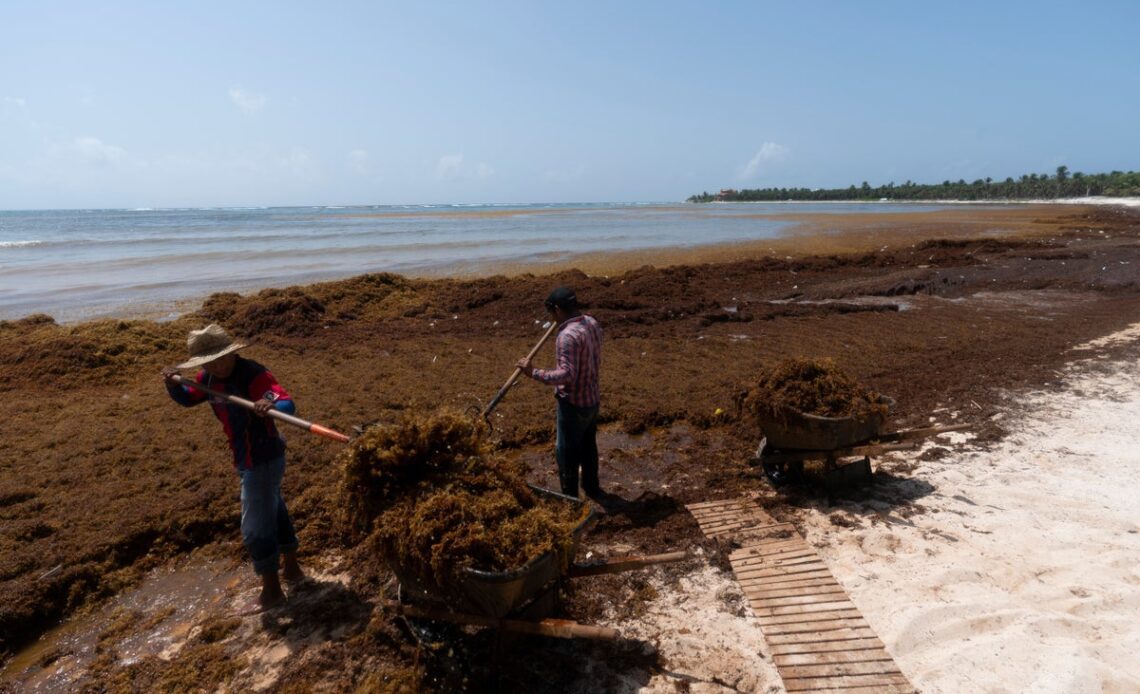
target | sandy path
[{"x": 1022, "y": 575}]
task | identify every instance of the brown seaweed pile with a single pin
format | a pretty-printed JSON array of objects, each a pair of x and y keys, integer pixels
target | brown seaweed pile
[
  {"x": 433, "y": 500},
  {"x": 811, "y": 386}
]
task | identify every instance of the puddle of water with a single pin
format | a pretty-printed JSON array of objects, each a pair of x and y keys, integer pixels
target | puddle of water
[
  {"x": 166, "y": 604},
  {"x": 628, "y": 465}
]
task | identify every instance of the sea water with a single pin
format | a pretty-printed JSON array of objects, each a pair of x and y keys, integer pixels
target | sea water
[{"x": 79, "y": 264}]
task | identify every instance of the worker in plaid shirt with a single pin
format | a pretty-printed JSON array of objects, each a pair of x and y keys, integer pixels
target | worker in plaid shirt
[{"x": 579, "y": 351}]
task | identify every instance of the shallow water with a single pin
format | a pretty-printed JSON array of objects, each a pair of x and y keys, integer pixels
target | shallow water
[
  {"x": 80, "y": 264},
  {"x": 170, "y": 602}
]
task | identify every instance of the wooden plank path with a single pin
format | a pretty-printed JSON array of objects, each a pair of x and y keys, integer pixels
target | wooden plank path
[{"x": 819, "y": 640}]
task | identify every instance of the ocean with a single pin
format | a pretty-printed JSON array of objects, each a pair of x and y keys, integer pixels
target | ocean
[{"x": 83, "y": 264}]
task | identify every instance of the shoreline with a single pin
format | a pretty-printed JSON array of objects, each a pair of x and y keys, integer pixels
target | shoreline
[
  {"x": 808, "y": 235},
  {"x": 538, "y": 206},
  {"x": 1090, "y": 200}
]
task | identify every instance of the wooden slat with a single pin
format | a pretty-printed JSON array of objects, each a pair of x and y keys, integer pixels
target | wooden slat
[
  {"x": 874, "y": 689},
  {"x": 761, "y": 610},
  {"x": 787, "y": 555},
  {"x": 765, "y": 546},
  {"x": 763, "y": 590},
  {"x": 847, "y": 613},
  {"x": 825, "y": 646},
  {"x": 829, "y": 670},
  {"x": 821, "y": 626},
  {"x": 760, "y": 578},
  {"x": 799, "y": 592},
  {"x": 774, "y": 584},
  {"x": 726, "y": 527},
  {"x": 785, "y": 570},
  {"x": 742, "y": 512},
  {"x": 775, "y": 562},
  {"x": 848, "y": 656},
  {"x": 792, "y": 555},
  {"x": 719, "y": 508},
  {"x": 776, "y": 552},
  {"x": 773, "y": 603},
  {"x": 761, "y": 582},
  {"x": 736, "y": 501},
  {"x": 777, "y": 532},
  {"x": 811, "y": 684},
  {"x": 820, "y": 636},
  {"x": 732, "y": 512},
  {"x": 772, "y": 549}
]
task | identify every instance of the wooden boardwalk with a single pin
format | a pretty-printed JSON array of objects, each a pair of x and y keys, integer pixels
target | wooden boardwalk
[{"x": 818, "y": 639}]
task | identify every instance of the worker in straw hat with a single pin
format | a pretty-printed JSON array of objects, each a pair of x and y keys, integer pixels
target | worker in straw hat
[{"x": 258, "y": 449}]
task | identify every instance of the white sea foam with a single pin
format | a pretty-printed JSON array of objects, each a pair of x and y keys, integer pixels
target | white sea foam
[
  {"x": 1126, "y": 202},
  {"x": 20, "y": 244}
]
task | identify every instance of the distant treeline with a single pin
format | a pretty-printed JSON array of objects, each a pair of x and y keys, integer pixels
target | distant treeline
[{"x": 1029, "y": 187}]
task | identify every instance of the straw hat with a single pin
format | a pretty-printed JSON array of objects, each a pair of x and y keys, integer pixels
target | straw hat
[{"x": 208, "y": 344}]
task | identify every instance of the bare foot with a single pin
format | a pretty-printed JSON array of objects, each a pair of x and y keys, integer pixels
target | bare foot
[
  {"x": 291, "y": 571},
  {"x": 271, "y": 593}
]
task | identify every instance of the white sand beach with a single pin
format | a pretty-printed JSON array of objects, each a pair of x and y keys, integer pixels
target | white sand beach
[
  {"x": 1022, "y": 574},
  {"x": 1018, "y": 573}
]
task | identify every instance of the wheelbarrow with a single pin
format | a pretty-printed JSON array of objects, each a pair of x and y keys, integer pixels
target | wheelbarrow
[
  {"x": 790, "y": 438},
  {"x": 518, "y": 600}
]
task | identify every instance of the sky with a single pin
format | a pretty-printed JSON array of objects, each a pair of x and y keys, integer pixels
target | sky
[{"x": 163, "y": 104}]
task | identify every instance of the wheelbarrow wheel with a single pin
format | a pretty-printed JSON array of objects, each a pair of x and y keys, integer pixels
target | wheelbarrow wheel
[{"x": 780, "y": 474}]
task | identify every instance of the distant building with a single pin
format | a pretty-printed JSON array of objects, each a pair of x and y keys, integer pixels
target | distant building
[{"x": 725, "y": 194}]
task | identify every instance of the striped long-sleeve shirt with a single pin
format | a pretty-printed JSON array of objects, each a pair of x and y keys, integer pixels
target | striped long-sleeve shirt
[{"x": 579, "y": 351}]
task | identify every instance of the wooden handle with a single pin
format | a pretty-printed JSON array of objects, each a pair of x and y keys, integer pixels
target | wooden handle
[
  {"x": 276, "y": 414},
  {"x": 518, "y": 372},
  {"x": 613, "y": 566},
  {"x": 558, "y": 628},
  {"x": 905, "y": 440}
]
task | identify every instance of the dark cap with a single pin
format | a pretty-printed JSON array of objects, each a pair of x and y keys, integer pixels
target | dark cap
[{"x": 562, "y": 297}]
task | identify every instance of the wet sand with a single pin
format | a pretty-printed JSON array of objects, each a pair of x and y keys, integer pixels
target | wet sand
[{"x": 102, "y": 479}]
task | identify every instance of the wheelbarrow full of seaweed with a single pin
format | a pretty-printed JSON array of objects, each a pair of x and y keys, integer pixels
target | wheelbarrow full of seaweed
[
  {"x": 810, "y": 410},
  {"x": 468, "y": 540}
]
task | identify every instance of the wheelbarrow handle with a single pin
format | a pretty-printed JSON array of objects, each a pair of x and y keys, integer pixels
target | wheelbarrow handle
[
  {"x": 557, "y": 628},
  {"x": 613, "y": 566}
]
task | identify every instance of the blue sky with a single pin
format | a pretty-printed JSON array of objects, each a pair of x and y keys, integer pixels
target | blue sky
[{"x": 116, "y": 104}]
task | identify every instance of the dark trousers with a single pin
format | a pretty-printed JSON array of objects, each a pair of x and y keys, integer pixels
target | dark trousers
[
  {"x": 577, "y": 448},
  {"x": 266, "y": 528}
]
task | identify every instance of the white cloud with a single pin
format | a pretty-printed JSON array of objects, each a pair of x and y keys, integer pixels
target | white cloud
[
  {"x": 360, "y": 162},
  {"x": 92, "y": 150},
  {"x": 451, "y": 167},
  {"x": 770, "y": 153},
  {"x": 16, "y": 101},
  {"x": 448, "y": 166},
  {"x": 247, "y": 101},
  {"x": 565, "y": 175},
  {"x": 299, "y": 163}
]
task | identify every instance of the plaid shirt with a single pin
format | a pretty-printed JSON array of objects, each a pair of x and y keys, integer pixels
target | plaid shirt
[{"x": 579, "y": 351}]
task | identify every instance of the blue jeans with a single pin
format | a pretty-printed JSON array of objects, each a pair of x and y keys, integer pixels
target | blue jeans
[
  {"x": 577, "y": 448},
  {"x": 266, "y": 528}
]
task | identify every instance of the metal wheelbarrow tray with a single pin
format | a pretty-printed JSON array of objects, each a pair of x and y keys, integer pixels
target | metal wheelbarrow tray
[
  {"x": 795, "y": 430},
  {"x": 499, "y": 593}
]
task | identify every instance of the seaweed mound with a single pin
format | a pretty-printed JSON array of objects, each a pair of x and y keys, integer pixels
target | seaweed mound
[
  {"x": 433, "y": 500},
  {"x": 811, "y": 386}
]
